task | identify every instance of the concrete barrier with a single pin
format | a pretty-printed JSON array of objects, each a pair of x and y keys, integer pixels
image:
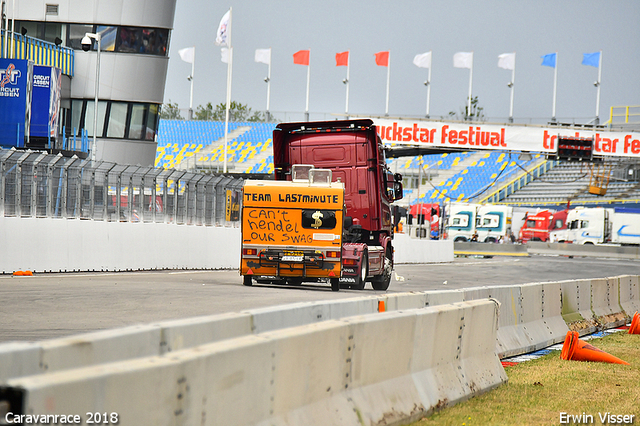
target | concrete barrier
[
  {"x": 530, "y": 316},
  {"x": 373, "y": 369},
  {"x": 489, "y": 249},
  {"x": 416, "y": 250},
  {"x": 576, "y": 306},
  {"x": 584, "y": 250},
  {"x": 605, "y": 302},
  {"x": 125, "y": 246},
  {"x": 629, "y": 293}
]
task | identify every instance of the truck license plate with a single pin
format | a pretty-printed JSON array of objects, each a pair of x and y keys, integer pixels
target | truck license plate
[{"x": 292, "y": 256}]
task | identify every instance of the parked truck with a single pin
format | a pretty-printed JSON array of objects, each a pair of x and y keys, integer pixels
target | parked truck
[
  {"x": 488, "y": 223},
  {"x": 461, "y": 222},
  {"x": 544, "y": 225},
  {"x": 352, "y": 151},
  {"x": 599, "y": 225}
]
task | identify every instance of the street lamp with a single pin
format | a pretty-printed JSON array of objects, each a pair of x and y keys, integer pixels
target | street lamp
[{"x": 86, "y": 46}]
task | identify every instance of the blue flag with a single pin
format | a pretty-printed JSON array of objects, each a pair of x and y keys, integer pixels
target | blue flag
[
  {"x": 549, "y": 60},
  {"x": 592, "y": 59}
]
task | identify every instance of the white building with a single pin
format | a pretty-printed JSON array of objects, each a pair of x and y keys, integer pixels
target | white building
[{"x": 133, "y": 68}]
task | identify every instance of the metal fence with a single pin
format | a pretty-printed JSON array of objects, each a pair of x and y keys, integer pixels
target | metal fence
[{"x": 41, "y": 185}]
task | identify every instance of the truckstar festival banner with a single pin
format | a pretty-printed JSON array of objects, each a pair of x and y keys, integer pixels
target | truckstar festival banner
[
  {"x": 474, "y": 136},
  {"x": 15, "y": 101}
]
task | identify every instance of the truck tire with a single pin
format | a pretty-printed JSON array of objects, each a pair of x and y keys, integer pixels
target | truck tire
[
  {"x": 381, "y": 282},
  {"x": 361, "y": 279},
  {"x": 335, "y": 284},
  {"x": 247, "y": 280}
]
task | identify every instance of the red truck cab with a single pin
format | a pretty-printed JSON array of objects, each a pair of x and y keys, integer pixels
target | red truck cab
[{"x": 354, "y": 153}]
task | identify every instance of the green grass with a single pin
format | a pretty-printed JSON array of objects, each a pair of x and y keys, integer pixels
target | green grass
[{"x": 539, "y": 390}]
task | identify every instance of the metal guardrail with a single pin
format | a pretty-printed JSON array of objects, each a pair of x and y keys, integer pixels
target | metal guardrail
[
  {"x": 39, "y": 51},
  {"x": 40, "y": 185}
]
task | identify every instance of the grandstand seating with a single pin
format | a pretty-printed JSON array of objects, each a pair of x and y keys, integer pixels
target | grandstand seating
[
  {"x": 488, "y": 171},
  {"x": 201, "y": 143},
  {"x": 461, "y": 176}
]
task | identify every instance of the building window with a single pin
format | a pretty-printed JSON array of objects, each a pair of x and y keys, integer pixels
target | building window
[
  {"x": 116, "y": 120},
  {"x": 146, "y": 41}
]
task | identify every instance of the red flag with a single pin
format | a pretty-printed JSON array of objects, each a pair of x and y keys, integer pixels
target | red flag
[
  {"x": 382, "y": 59},
  {"x": 301, "y": 57},
  {"x": 342, "y": 59}
]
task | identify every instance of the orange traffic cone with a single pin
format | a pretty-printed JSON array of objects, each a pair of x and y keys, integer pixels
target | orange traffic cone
[
  {"x": 579, "y": 350},
  {"x": 635, "y": 324}
]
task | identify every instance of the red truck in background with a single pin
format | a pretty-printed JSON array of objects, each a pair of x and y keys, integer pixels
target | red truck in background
[
  {"x": 545, "y": 226},
  {"x": 427, "y": 217},
  {"x": 354, "y": 153}
]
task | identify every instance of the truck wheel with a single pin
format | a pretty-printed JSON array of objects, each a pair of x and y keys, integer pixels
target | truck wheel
[
  {"x": 364, "y": 271},
  {"x": 381, "y": 282},
  {"x": 247, "y": 280},
  {"x": 335, "y": 284}
]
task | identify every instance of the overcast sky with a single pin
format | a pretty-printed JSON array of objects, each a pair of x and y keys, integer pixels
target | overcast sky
[{"x": 406, "y": 28}]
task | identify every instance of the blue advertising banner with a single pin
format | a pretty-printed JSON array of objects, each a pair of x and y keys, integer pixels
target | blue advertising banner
[
  {"x": 45, "y": 102},
  {"x": 15, "y": 101}
]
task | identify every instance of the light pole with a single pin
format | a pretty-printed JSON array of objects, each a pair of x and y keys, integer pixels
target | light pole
[{"x": 86, "y": 46}]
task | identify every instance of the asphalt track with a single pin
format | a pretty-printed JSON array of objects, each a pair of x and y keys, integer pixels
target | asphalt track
[{"x": 61, "y": 304}]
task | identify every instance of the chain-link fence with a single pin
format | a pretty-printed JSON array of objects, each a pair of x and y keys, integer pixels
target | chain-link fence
[{"x": 37, "y": 184}]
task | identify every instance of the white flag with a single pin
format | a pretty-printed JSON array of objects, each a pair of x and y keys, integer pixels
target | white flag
[
  {"x": 507, "y": 61},
  {"x": 221, "y": 34},
  {"x": 188, "y": 54},
  {"x": 224, "y": 55},
  {"x": 263, "y": 56},
  {"x": 463, "y": 60},
  {"x": 423, "y": 60}
]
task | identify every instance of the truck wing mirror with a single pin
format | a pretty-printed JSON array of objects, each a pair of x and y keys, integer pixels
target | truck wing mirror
[{"x": 398, "y": 191}]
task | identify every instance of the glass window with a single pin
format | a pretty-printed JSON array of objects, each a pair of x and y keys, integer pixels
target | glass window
[
  {"x": 108, "y": 38},
  {"x": 130, "y": 40},
  {"x": 584, "y": 224},
  {"x": 117, "y": 120},
  {"x": 76, "y": 112},
  {"x": 51, "y": 31},
  {"x": 76, "y": 32},
  {"x": 32, "y": 28},
  {"x": 531, "y": 223},
  {"x": 136, "y": 128},
  {"x": 89, "y": 117},
  {"x": 152, "y": 122}
]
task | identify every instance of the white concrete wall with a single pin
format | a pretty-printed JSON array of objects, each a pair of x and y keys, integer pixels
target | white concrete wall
[{"x": 59, "y": 245}]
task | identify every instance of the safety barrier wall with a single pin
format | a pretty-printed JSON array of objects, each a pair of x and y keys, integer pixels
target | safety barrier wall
[
  {"x": 587, "y": 250},
  {"x": 88, "y": 245},
  {"x": 629, "y": 293},
  {"x": 60, "y": 245},
  {"x": 532, "y": 316},
  {"x": 334, "y": 372},
  {"x": 417, "y": 250}
]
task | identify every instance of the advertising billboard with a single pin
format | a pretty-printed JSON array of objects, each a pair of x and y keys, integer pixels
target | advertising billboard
[
  {"x": 45, "y": 103},
  {"x": 15, "y": 101}
]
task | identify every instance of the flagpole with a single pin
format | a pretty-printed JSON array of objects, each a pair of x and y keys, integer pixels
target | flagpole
[
  {"x": 597, "y": 121},
  {"x": 513, "y": 81},
  {"x": 306, "y": 109},
  {"x": 193, "y": 69},
  {"x": 429, "y": 83},
  {"x": 226, "y": 115},
  {"x": 470, "y": 86},
  {"x": 346, "y": 81},
  {"x": 555, "y": 86},
  {"x": 386, "y": 109},
  {"x": 269, "y": 86}
]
